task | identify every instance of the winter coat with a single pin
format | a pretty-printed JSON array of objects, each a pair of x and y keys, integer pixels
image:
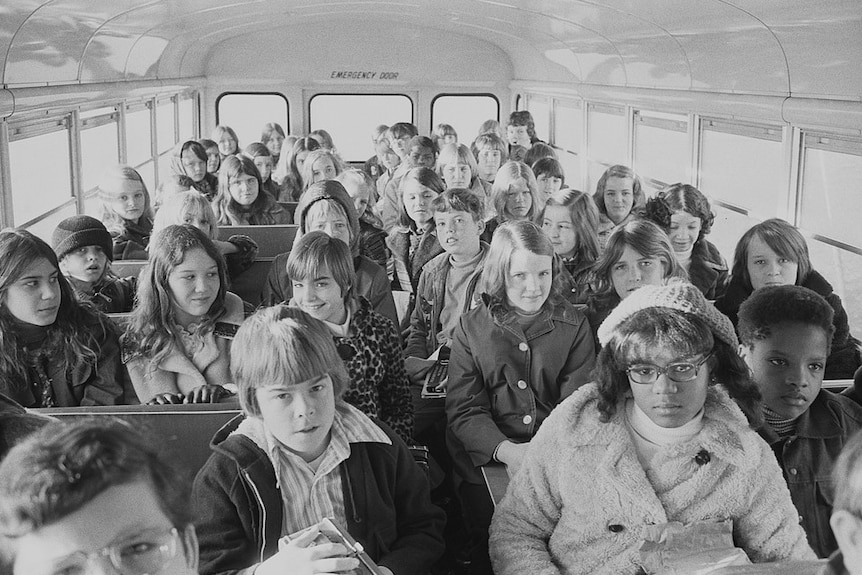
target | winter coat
[
  {"x": 372, "y": 283},
  {"x": 130, "y": 243},
  {"x": 844, "y": 359},
  {"x": 238, "y": 506},
  {"x": 175, "y": 373},
  {"x": 99, "y": 382},
  {"x": 807, "y": 457},
  {"x": 378, "y": 383},
  {"x": 266, "y": 212},
  {"x": 372, "y": 243},
  {"x": 111, "y": 294},
  {"x": 408, "y": 267},
  {"x": 575, "y": 280},
  {"x": 708, "y": 270},
  {"x": 503, "y": 382},
  {"x": 581, "y": 497}
]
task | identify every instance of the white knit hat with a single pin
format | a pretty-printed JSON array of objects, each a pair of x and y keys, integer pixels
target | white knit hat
[{"x": 677, "y": 294}]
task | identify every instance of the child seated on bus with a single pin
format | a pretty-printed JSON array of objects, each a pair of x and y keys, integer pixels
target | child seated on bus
[
  {"x": 521, "y": 130},
  {"x": 401, "y": 136},
  {"x": 300, "y": 453},
  {"x": 372, "y": 238},
  {"x": 444, "y": 134},
  {"x": 240, "y": 202},
  {"x": 620, "y": 198},
  {"x": 55, "y": 352},
  {"x": 785, "y": 334},
  {"x": 272, "y": 136},
  {"x": 192, "y": 208},
  {"x": 414, "y": 242},
  {"x": 177, "y": 343},
  {"x": 190, "y": 159},
  {"x": 457, "y": 166},
  {"x": 684, "y": 213},
  {"x": 324, "y": 138},
  {"x": 262, "y": 159},
  {"x": 213, "y": 156},
  {"x": 373, "y": 166},
  {"x": 446, "y": 290},
  {"x": 570, "y": 219},
  {"x": 638, "y": 254},
  {"x": 288, "y": 171},
  {"x": 321, "y": 268},
  {"x": 84, "y": 250},
  {"x": 320, "y": 165},
  {"x": 94, "y": 492},
  {"x": 550, "y": 177},
  {"x": 126, "y": 212},
  {"x": 515, "y": 196},
  {"x": 228, "y": 143},
  {"x": 514, "y": 359},
  {"x": 846, "y": 520},
  {"x": 327, "y": 207},
  {"x": 421, "y": 153},
  {"x": 774, "y": 252},
  {"x": 491, "y": 152}
]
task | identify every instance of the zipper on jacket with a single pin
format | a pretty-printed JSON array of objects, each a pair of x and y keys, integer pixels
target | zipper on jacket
[{"x": 262, "y": 508}]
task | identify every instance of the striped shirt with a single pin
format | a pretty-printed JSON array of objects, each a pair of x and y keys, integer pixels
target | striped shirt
[{"x": 313, "y": 490}]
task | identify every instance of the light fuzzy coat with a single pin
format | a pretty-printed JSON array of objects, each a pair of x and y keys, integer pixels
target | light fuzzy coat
[{"x": 581, "y": 499}]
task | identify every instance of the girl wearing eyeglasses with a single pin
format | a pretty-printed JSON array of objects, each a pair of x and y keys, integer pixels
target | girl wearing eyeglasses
[{"x": 664, "y": 434}]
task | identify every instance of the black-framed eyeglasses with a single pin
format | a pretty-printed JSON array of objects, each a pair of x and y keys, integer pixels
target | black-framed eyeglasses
[
  {"x": 679, "y": 371},
  {"x": 144, "y": 554}
]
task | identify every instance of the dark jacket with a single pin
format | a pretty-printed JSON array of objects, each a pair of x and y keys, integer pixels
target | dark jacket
[
  {"x": 844, "y": 359},
  {"x": 411, "y": 264},
  {"x": 102, "y": 382},
  {"x": 708, "y": 270},
  {"x": 131, "y": 242},
  {"x": 503, "y": 382},
  {"x": 425, "y": 319},
  {"x": 599, "y": 307},
  {"x": 111, "y": 295},
  {"x": 807, "y": 457},
  {"x": 372, "y": 243},
  {"x": 372, "y": 283},
  {"x": 575, "y": 279},
  {"x": 238, "y": 506}
]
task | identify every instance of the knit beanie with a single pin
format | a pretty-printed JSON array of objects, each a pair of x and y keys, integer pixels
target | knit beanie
[
  {"x": 81, "y": 231},
  {"x": 677, "y": 294}
]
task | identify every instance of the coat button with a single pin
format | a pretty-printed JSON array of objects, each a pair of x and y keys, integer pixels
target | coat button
[
  {"x": 523, "y": 346},
  {"x": 522, "y": 384},
  {"x": 528, "y": 419},
  {"x": 793, "y": 471}
]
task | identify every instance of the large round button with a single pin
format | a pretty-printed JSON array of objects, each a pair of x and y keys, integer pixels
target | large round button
[
  {"x": 528, "y": 419},
  {"x": 522, "y": 384},
  {"x": 793, "y": 471},
  {"x": 523, "y": 346}
]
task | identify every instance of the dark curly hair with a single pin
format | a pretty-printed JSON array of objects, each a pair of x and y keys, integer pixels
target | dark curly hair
[
  {"x": 637, "y": 338},
  {"x": 681, "y": 197},
  {"x": 771, "y": 305}
]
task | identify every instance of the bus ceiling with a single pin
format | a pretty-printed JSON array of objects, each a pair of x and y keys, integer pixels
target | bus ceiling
[{"x": 777, "y": 48}]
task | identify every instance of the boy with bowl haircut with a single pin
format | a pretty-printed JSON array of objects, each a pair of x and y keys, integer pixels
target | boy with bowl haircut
[
  {"x": 299, "y": 454},
  {"x": 94, "y": 492},
  {"x": 786, "y": 334},
  {"x": 846, "y": 520}
]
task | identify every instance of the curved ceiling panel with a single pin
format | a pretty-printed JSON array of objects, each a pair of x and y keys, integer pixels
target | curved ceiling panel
[{"x": 773, "y": 47}]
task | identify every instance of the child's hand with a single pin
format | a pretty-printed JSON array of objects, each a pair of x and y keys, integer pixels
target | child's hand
[
  {"x": 206, "y": 394},
  {"x": 297, "y": 558},
  {"x": 512, "y": 454},
  {"x": 167, "y": 399}
]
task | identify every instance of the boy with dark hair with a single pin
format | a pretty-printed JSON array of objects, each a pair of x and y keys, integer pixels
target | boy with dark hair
[
  {"x": 92, "y": 492},
  {"x": 786, "y": 334},
  {"x": 846, "y": 520}
]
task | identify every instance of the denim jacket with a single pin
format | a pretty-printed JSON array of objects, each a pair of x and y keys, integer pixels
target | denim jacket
[{"x": 807, "y": 457}]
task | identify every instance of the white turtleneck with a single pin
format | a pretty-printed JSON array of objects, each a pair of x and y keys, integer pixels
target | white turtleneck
[{"x": 649, "y": 438}]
